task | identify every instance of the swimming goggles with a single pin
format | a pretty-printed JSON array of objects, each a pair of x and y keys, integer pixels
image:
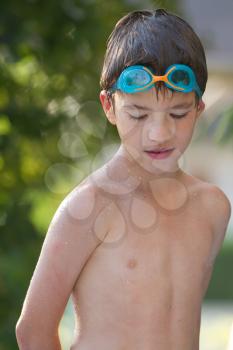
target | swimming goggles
[{"x": 138, "y": 78}]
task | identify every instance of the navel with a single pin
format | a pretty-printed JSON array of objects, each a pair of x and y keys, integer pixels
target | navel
[{"x": 132, "y": 263}]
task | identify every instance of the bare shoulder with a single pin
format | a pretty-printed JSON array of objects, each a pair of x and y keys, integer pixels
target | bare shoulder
[
  {"x": 213, "y": 201},
  {"x": 81, "y": 204},
  {"x": 89, "y": 209},
  {"x": 217, "y": 204},
  {"x": 217, "y": 207},
  {"x": 212, "y": 198}
]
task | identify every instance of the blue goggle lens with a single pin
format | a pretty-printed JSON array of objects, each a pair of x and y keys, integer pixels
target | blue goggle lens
[
  {"x": 137, "y": 77},
  {"x": 180, "y": 77}
]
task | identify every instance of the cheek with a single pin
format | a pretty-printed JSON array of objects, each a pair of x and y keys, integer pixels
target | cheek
[
  {"x": 128, "y": 129},
  {"x": 185, "y": 131}
]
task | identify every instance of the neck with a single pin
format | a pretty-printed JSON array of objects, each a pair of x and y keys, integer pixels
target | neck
[{"x": 122, "y": 166}]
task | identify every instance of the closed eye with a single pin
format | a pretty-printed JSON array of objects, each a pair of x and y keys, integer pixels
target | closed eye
[
  {"x": 138, "y": 116},
  {"x": 178, "y": 116}
]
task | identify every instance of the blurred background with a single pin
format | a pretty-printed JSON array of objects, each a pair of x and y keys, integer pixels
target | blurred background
[{"x": 53, "y": 133}]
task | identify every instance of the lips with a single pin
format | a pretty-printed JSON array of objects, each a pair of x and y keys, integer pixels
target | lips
[
  {"x": 159, "y": 150},
  {"x": 160, "y": 153}
]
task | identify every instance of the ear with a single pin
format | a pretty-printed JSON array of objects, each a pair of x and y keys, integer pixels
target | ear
[
  {"x": 200, "y": 107},
  {"x": 107, "y": 107}
]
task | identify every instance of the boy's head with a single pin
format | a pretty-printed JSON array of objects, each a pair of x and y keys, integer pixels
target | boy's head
[{"x": 155, "y": 40}]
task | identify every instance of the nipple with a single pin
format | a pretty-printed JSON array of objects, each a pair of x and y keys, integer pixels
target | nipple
[{"x": 132, "y": 263}]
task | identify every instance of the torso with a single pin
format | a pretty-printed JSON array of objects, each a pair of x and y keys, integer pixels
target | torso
[{"x": 143, "y": 286}]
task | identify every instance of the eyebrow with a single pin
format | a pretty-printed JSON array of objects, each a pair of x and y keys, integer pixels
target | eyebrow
[
  {"x": 183, "y": 105},
  {"x": 179, "y": 105},
  {"x": 139, "y": 107}
]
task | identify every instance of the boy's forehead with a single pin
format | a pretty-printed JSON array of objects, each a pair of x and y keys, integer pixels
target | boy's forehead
[{"x": 151, "y": 99}]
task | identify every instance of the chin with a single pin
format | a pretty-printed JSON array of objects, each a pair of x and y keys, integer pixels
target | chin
[{"x": 158, "y": 166}]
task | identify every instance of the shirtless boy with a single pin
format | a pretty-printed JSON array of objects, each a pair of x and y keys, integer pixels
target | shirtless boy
[{"x": 135, "y": 243}]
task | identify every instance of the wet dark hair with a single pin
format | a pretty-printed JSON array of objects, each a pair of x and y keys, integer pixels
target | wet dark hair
[{"x": 156, "y": 39}]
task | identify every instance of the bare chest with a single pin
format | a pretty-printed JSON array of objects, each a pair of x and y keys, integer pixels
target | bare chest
[{"x": 151, "y": 249}]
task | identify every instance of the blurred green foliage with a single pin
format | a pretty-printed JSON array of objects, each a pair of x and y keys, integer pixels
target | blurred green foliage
[
  {"x": 51, "y": 55},
  {"x": 221, "y": 284},
  {"x": 223, "y": 128}
]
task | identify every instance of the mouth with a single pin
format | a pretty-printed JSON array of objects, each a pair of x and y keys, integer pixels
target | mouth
[{"x": 160, "y": 154}]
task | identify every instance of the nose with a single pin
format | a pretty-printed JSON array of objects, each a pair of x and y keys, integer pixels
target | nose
[{"x": 161, "y": 130}]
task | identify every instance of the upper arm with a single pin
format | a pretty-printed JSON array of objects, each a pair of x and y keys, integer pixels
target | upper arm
[
  {"x": 67, "y": 246},
  {"x": 219, "y": 209}
]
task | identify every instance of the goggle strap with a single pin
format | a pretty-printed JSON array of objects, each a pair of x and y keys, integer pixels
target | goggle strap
[
  {"x": 145, "y": 86},
  {"x": 175, "y": 86}
]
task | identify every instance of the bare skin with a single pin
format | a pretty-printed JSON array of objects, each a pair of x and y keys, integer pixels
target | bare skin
[
  {"x": 145, "y": 290},
  {"x": 134, "y": 243}
]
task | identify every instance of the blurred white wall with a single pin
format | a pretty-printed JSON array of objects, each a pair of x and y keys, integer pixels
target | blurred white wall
[{"x": 212, "y": 20}]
